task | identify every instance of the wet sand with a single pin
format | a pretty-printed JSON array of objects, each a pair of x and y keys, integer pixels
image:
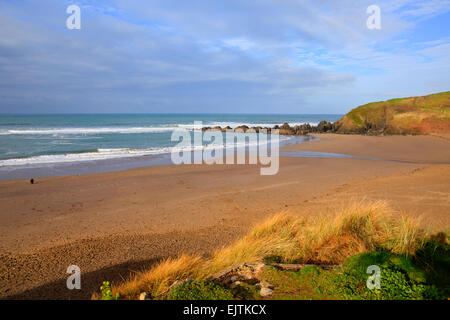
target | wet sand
[{"x": 110, "y": 224}]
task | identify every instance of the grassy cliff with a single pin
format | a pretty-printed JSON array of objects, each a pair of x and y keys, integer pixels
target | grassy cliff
[{"x": 415, "y": 115}]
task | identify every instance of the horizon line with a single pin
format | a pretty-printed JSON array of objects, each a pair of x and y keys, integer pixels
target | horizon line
[{"x": 160, "y": 113}]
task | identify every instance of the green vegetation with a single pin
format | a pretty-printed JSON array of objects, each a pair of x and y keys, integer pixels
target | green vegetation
[
  {"x": 200, "y": 290},
  {"x": 107, "y": 292},
  {"x": 415, "y": 115},
  {"x": 310, "y": 283},
  {"x": 245, "y": 291},
  {"x": 402, "y": 278}
]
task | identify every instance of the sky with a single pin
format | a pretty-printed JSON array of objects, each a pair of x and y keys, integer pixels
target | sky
[{"x": 219, "y": 56}]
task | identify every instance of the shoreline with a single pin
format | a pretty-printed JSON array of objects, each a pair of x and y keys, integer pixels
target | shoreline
[
  {"x": 288, "y": 148},
  {"x": 108, "y": 158},
  {"x": 60, "y": 169},
  {"x": 113, "y": 223}
]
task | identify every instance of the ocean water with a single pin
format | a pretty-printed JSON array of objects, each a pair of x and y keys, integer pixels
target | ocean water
[{"x": 33, "y": 140}]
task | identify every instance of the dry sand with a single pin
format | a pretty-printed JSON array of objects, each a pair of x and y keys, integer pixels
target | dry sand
[{"x": 111, "y": 224}]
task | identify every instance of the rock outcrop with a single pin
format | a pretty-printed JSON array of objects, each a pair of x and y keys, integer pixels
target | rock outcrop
[{"x": 285, "y": 129}]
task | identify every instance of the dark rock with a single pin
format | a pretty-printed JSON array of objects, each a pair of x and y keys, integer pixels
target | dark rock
[
  {"x": 324, "y": 126},
  {"x": 286, "y": 132},
  {"x": 255, "y": 129},
  {"x": 286, "y": 126},
  {"x": 243, "y": 128}
]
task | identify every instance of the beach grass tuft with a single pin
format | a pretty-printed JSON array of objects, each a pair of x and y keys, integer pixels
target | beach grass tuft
[{"x": 329, "y": 238}]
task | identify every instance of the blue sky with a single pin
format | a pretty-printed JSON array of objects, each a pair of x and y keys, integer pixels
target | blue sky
[{"x": 221, "y": 56}]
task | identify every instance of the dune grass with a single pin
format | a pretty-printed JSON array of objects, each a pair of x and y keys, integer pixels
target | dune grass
[{"x": 323, "y": 239}]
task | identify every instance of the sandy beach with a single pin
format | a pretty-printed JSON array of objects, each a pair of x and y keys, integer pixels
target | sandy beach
[{"x": 111, "y": 224}]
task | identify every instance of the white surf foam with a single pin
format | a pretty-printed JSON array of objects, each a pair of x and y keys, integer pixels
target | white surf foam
[
  {"x": 55, "y": 131},
  {"x": 113, "y": 153}
]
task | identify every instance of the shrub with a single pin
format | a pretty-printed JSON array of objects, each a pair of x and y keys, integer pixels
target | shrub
[
  {"x": 401, "y": 279},
  {"x": 107, "y": 292}
]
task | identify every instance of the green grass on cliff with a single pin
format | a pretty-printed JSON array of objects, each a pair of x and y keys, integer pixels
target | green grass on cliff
[{"x": 414, "y": 115}]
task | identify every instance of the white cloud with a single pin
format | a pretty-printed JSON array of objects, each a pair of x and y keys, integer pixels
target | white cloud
[{"x": 165, "y": 55}]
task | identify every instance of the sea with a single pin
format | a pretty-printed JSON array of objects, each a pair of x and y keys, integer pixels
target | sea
[{"x": 61, "y": 144}]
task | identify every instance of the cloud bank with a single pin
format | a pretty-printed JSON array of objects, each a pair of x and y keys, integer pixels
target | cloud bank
[{"x": 268, "y": 56}]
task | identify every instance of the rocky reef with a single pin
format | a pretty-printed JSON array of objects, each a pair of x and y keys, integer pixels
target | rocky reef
[{"x": 285, "y": 129}]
